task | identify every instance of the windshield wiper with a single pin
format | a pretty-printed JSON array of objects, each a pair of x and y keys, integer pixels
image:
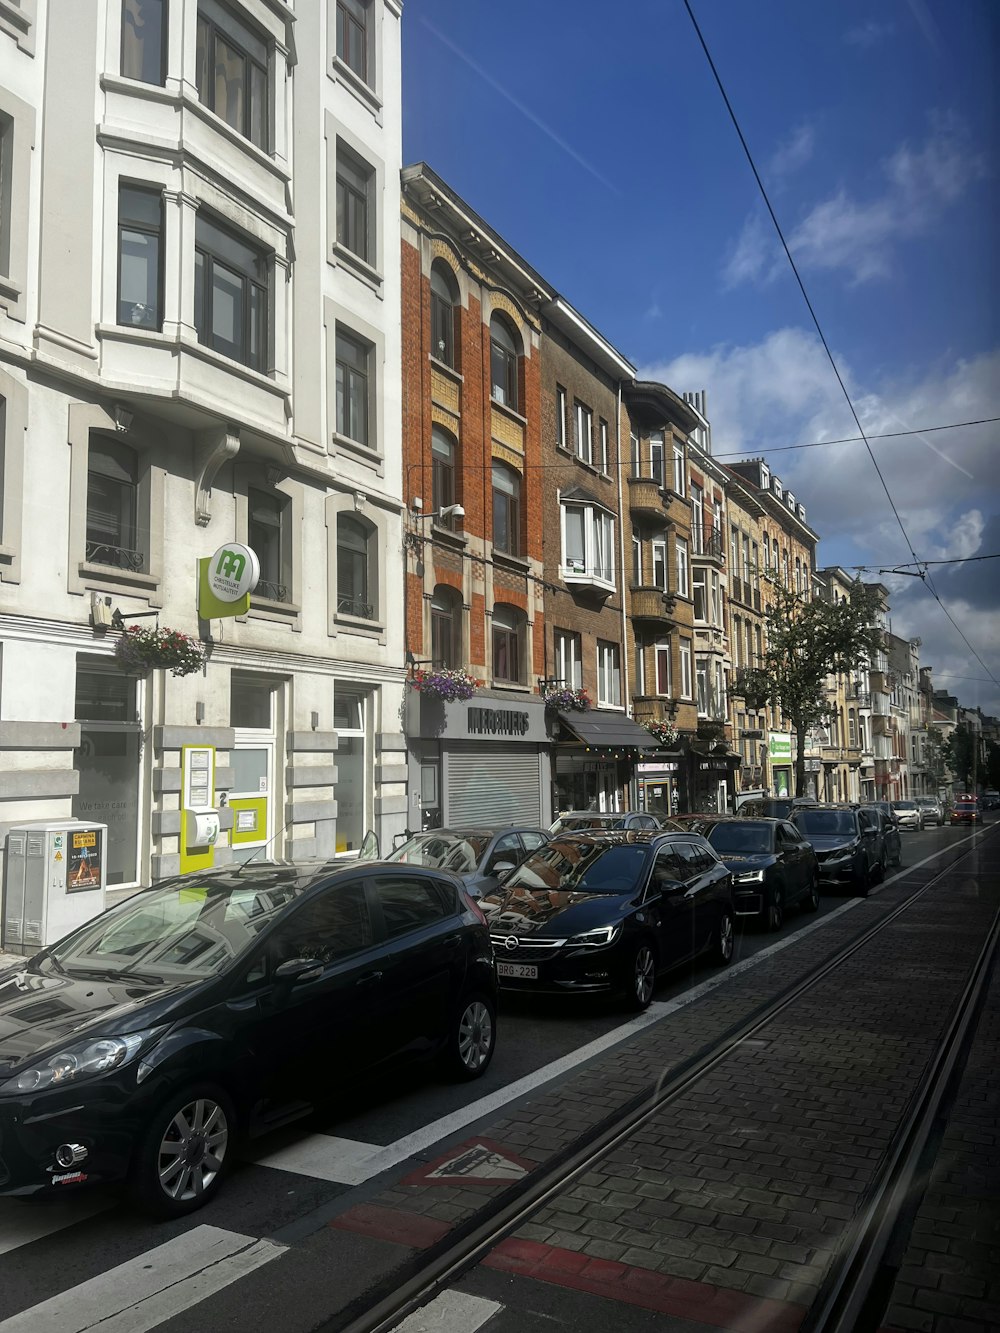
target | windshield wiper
[
  {"x": 121, "y": 974},
  {"x": 45, "y": 956}
]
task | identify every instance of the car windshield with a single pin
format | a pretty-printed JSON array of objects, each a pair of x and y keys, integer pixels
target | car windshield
[
  {"x": 177, "y": 932},
  {"x": 903, "y": 805},
  {"x": 825, "y": 823},
  {"x": 580, "y": 823},
  {"x": 582, "y": 867},
  {"x": 458, "y": 852},
  {"x": 742, "y": 836}
]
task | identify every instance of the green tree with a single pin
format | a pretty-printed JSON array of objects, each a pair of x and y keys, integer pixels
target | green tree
[
  {"x": 808, "y": 641},
  {"x": 960, "y": 753}
]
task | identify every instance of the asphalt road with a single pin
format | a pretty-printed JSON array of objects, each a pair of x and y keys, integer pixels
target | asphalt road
[{"x": 47, "y": 1249}]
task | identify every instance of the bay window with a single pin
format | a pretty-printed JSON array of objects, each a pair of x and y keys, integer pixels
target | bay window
[
  {"x": 656, "y": 458},
  {"x": 231, "y": 295},
  {"x": 664, "y": 672},
  {"x": 140, "y": 256},
  {"x": 588, "y": 545},
  {"x": 660, "y": 565},
  {"x": 231, "y": 71},
  {"x": 681, "y": 554},
  {"x": 569, "y": 659},
  {"x": 685, "y": 661},
  {"x": 144, "y": 46}
]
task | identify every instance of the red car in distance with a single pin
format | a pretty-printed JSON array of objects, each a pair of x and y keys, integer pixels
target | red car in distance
[{"x": 965, "y": 811}]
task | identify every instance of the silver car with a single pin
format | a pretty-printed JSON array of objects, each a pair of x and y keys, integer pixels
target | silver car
[
  {"x": 932, "y": 808},
  {"x": 908, "y": 814},
  {"x": 480, "y": 855}
]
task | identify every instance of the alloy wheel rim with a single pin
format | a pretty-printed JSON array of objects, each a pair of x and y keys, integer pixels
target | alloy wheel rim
[
  {"x": 475, "y": 1035},
  {"x": 643, "y": 975},
  {"x": 192, "y": 1149},
  {"x": 776, "y": 911},
  {"x": 726, "y": 937}
]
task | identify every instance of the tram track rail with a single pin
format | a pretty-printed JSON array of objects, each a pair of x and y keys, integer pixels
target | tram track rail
[{"x": 848, "y": 1299}]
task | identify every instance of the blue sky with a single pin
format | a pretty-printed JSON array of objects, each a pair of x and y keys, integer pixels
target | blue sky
[{"x": 595, "y": 140}]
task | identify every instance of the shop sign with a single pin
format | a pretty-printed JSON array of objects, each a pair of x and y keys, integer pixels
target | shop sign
[
  {"x": 226, "y": 580},
  {"x": 657, "y": 768},
  {"x": 779, "y": 745},
  {"x": 498, "y": 722}
]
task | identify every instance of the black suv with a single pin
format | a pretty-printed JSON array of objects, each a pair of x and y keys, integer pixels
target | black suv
[
  {"x": 608, "y": 912},
  {"x": 846, "y": 843}
]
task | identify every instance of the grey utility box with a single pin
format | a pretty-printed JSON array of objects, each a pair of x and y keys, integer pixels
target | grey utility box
[{"x": 56, "y": 880}]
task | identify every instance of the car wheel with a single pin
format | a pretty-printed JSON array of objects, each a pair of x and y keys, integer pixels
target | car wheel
[
  {"x": 863, "y": 881},
  {"x": 810, "y": 903},
  {"x": 774, "y": 911},
  {"x": 184, "y": 1153},
  {"x": 897, "y": 860},
  {"x": 473, "y": 1037},
  {"x": 640, "y": 979},
  {"x": 724, "y": 941}
]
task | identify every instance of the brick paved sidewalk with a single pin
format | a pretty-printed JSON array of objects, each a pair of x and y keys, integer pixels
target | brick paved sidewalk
[{"x": 949, "y": 1281}]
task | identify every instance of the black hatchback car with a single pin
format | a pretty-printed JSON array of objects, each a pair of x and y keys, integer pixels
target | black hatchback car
[
  {"x": 773, "y": 866},
  {"x": 608, "y": 912},
  {"x": 846, "y": 842},
  {"x": 142, "y": 1045}
]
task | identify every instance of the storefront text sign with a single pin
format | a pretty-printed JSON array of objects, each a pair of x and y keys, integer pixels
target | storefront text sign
[
  {"x": 498, "y": 722},
  {"x": 226, "y": 580},
  {"x": 779, "y": 745}
]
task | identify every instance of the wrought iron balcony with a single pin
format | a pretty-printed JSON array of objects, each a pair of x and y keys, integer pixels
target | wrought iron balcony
[
  {"x": 272, "y": 592},
  {"x": 116, "y": 557},
  {"x": 708, "y": 546},
  {"x": 354, "y": 606}
]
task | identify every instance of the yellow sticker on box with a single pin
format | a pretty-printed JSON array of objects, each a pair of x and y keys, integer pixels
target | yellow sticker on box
[{"x": 84, "y": 839}]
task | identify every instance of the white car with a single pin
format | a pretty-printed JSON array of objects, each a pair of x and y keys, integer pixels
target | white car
[
  {"x": 908, "y": 814},
  {"x": 932, "y": 808}
]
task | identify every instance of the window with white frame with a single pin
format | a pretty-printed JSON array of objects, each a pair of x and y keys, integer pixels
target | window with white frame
[
  {"x": 656, "y": 458},
  {"x": 603, "y": 431},
  {"x": 560, "y": 417},
  {"x": 684, "y": 656},
  {"x": 353, "y": 36},
  {"x": 231, "y": 71},
  {"x": 635, "y": 455},
  {"x": 714, "y": 598},
  {"x": 609, "y": 675},
  {"x": 144, "y": 44},
  {"x": 353, "y": 722},
  {"x": 660, "y": 575},
  {"x": 698, "y": 581},
  {"x": 719, "y": 701},
  {"x": 640, "y": 668},
  {"x": 678, "y": 468},
  {"x": 636, "y": 561},
  {"x": 588, "y": 541},
  {"x": 737, "y": 636},
  {"x": 584, "y": 432},
  {"x": 702, "y": 680},
  {"x": 569, "y": 659},
  {"x": 664, "y": 669},
  {"x": 681, "y": 554},
  {"x": 697, "y": 519}
]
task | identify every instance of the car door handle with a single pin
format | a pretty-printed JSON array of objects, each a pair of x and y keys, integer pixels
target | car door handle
[
  {"x": 368, "y": 979},
  {"x": 452, "y": 941}
]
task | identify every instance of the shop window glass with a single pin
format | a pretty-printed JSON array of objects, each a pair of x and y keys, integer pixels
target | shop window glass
[{"x": 250, "y": 703}]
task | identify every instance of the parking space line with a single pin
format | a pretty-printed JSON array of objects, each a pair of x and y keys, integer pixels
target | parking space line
[{"x": 151, "y": 1288}]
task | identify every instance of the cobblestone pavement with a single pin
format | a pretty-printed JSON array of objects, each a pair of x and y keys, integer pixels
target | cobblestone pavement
[
  {"x": 728, "y": 1206},
  {"x": 949, "y": 1280}
]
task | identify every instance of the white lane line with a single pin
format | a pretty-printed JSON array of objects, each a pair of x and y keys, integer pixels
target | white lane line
[
  {"x": 319, "y": 1155},
  {"x": 451, "y": 1312},
  {"x": 151, "y": 1288},
  {"x": 20, "y": 1226}
]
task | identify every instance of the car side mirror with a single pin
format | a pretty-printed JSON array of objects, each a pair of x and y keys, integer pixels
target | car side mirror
[
  {"x": 295, "y": 970},
  {"x": 370, "y": 847},
  {"x": 504, "y": 868}
]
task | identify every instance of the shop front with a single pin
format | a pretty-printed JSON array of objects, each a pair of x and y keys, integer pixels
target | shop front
[
  {"x": 712, "y": 776},
  {"x": 662, "y": 785},
  {"x": 481, "y": 760},
  {"x": 779, "y": 754},
  {"x": 595, "y": 755}
]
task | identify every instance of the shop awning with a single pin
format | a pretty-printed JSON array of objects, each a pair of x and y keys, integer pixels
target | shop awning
[
  {"x": 717, "y": 752},
  {"x": 607, "y": 731}
]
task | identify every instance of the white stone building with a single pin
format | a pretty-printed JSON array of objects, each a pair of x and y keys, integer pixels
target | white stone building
[{"x": 200, "y": 345}]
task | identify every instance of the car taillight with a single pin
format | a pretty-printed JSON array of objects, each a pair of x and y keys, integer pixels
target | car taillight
[{"x": 473, "y": 906}]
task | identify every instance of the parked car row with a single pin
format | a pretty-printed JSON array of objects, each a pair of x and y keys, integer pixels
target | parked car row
[{"x": 143, "y": 1045}]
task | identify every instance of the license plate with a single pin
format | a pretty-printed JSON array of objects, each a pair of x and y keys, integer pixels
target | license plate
[{"x": 526, "y": 971}]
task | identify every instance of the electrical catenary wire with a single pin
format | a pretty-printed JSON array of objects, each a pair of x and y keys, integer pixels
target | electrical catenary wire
[{"x": 822, "y": 336}]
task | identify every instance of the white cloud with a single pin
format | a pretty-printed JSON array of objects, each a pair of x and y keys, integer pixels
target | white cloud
[
  {"x": 858, "y": 236},
  {"x": 868, "y": 35},
  {"x": 944, "y": 483},
  {"x": 794, "y": 152}
]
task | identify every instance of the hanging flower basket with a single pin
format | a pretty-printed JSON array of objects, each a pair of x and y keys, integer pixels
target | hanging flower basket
[
  {"x": 664, "y": 732},
  {"x": 140, "y": 650},
  {"x": 450, "y": 683},
  {"x": 566, "y": 701}
]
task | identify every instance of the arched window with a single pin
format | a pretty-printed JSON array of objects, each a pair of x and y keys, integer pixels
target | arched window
[
  {"x": 357, "y": 583},
  {"x": 446, "y": 627},
  {"x": 444, "y": 299},
  {"x": 506, "y": 509},
  {"x": 112, "y": 495},
  {"x": 504, "y": 351},
  {"x": 443, "y": 459},
  {"x": 510, "y": 627}
]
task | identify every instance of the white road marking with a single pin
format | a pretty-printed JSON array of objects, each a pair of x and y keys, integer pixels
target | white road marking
[
  {"x": 20, "y": 1224},
  {"x": 319, "y": 1155},
  {"x": 151, "y": 1288},
  {"x": 451, "y": 1312}
]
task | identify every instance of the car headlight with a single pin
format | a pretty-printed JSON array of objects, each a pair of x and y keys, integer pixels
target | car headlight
[
  {"x": 83, "y": 1059},
  {"x": 843, "y": 853},
  {"x": 750, "y": 877},
  {"x": 597, "y": 938}
]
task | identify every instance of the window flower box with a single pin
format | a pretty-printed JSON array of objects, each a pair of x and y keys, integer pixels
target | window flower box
[
  {"x": 566, "y": 701},
  {"x": 449, "y": 683},
  {"x": 663, "y": 732}
]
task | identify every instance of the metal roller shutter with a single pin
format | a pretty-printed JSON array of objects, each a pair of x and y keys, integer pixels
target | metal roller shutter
[{"x": 493, "y": 784}]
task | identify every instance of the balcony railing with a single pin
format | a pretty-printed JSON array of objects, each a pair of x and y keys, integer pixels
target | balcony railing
[
  {"x": 272, "y": 592},
  {"x": 354, "y": 606},
  {"x": 708, "y": 546},
  {"x": 117, "y": 557}
]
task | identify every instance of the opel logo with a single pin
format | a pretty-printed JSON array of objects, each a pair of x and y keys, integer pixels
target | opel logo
[{"x": 511, "y": 942}]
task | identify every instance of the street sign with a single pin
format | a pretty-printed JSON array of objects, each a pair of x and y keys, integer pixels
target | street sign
[{"x": 226, "y": 580}]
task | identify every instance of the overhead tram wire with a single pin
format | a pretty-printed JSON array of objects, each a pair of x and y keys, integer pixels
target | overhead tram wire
[{"x": 822, "y": 336}]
